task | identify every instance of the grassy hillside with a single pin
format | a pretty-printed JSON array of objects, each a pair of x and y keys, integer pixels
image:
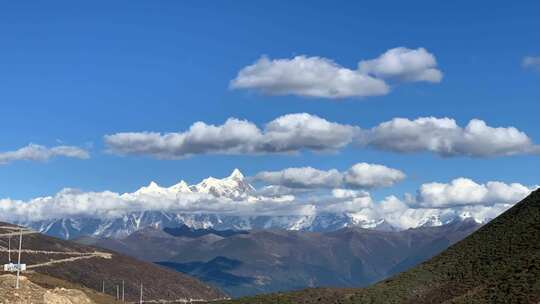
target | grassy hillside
[{"x": 499, "y": 263}]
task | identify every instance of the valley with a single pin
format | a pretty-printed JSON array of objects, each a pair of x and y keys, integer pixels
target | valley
[{"x": 262, "y": 261}]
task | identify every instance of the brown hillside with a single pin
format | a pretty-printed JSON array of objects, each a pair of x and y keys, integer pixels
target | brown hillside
[{"x": 90, "y": 267}]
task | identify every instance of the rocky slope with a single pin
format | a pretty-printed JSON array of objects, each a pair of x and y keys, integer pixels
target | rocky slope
[{"x": 32, "y": 293}]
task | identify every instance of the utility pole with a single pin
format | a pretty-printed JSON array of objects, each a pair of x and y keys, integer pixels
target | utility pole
[
  {"x": 123, "y": 285},
  {"x": 140, "y": 298},
  {"x": 103, "y": 286},
  {"x": 9, "y": 249},
  {"x": 19, "y": 260},
  {"x": 117, "y": 293}
]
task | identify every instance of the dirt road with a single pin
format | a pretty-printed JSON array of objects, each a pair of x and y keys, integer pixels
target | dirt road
[{"x": 16, "y": 231}]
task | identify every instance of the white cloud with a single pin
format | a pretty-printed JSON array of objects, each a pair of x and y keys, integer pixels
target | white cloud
[
  {"x": 403, "y": 64},
  {"x": 307, "y": 76},
  {"x": 348, "y": 201},
  {"x": 435, "y": 203},
  {"x": 348, "y": 193},
  {"x": 277, "y": 191},
  {"x": 464, "y": 191},
  {"x": 287, "y": 134},
  {"x": 74, "y": 203},
  {"x": 305, "y": 177},
  {"x": 361, "y": 175},
  {"x": 364, "y": 175},
  {"x": 400, "y": 214},
  {"x": 444, "y": 137},
  {"x": 234, "y": 136},
  {"x": 34, "y": 152},
  {"x": 293, "y": 133},
  {"x": 322, "y": 77},
  {"x": 531, "y": 62}
]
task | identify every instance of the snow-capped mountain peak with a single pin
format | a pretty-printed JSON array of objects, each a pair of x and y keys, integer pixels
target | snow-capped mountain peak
[
  {"x": 152, "y": 189},
  {"x": 235, "y": 185},
  {"x": 181, "y": 187},
  {"x": 433, "y": 220},
  {"x": 468, "y": 216},
  {"x": 236, "y": 174}
]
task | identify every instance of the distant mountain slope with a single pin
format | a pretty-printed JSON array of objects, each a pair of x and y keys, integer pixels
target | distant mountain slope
[
  {"x": 91, "y": 267},
  {"x": 215, "y": 271},
  {"x": 189, "y": 232},
  {"x": 499, "y": 263},
  {"x": 276, "y": 260}
]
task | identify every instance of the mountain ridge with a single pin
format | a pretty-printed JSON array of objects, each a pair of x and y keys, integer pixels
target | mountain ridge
[
  {"x": 186, "y": 231},
  {"x": 233, "y": 187}
]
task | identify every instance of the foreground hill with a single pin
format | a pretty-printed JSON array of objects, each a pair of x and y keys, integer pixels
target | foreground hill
[
  {"x": 61, "y": 293},
  {"x": 499, "y": 263},
  {"x": 91, "y": 268},
  {"x": 254, "y": 262}
]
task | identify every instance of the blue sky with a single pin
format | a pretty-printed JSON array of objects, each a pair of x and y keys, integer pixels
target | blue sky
[{"x": 74, "y": 72}]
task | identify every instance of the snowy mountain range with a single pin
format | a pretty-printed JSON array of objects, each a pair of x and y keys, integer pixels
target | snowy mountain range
[{"x": 233, "y": 187}]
